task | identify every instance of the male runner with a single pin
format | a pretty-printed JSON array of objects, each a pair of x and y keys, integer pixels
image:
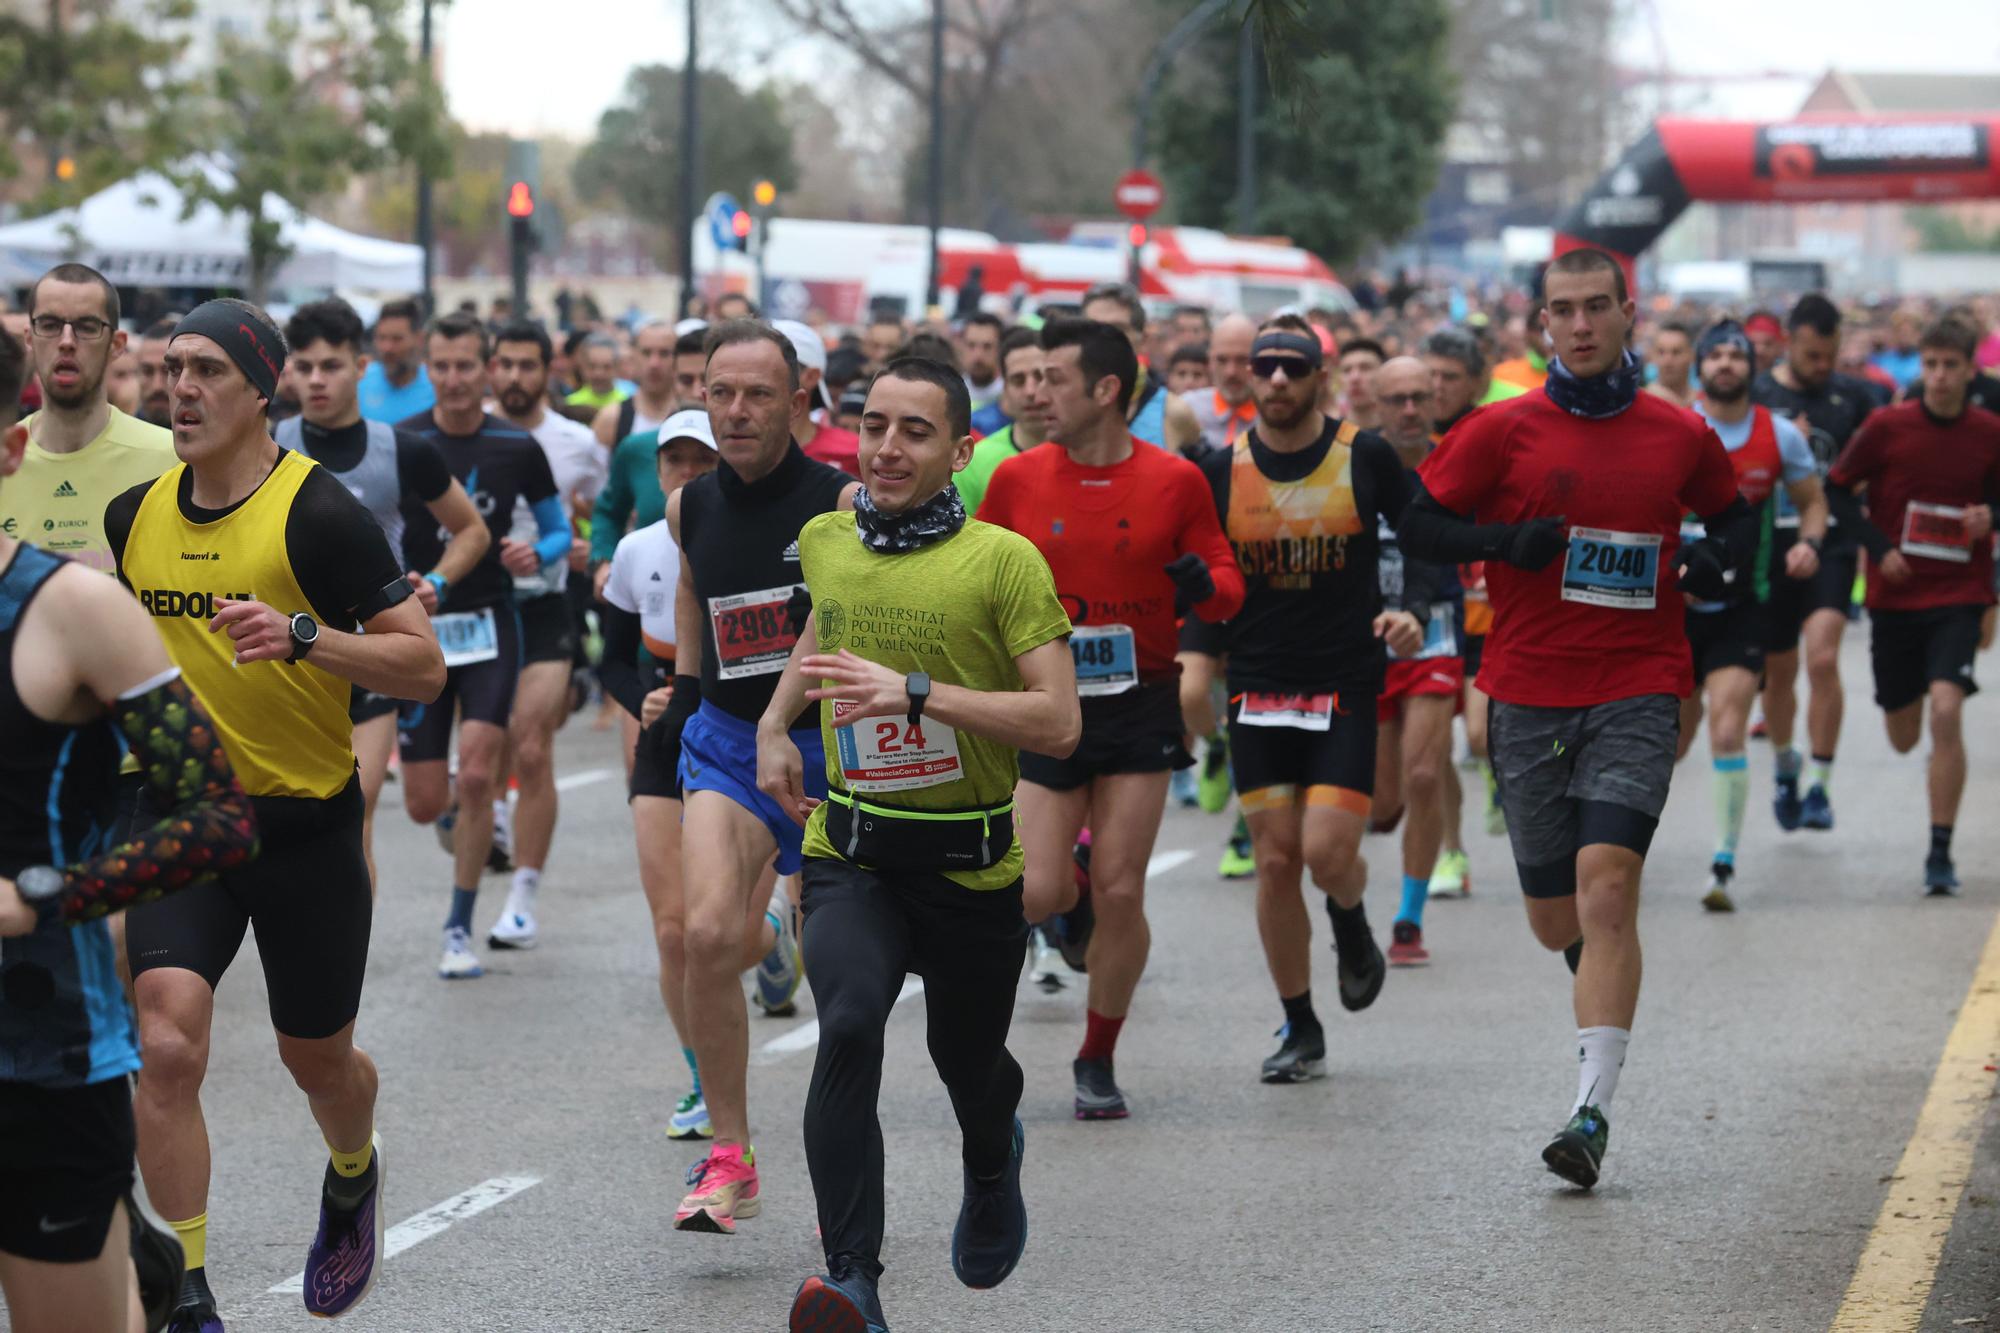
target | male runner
[
  {"x": 879, "y": 341},
  {"x": 386, "y": 469},
  {"x": 1299, "y": 496},
  {"x": 1828, "y": 407},
  {"x": 397, "y": 385},
  {"x": 1727, "y": 635},
  {"x": 1021, "y": 363},
  {"x": 630, "y": 498},
  {"x": 690, "y": 360},
  {"x": 1673, "y": 357},
  {"x": 979, "y": 356},
  {"x": 938, "y": 654},
  {"x": 155, "y": 402},
  {"x": 821, "y": 441},
  {"x": 1132, "y": 539},
  {"x": 1586, "y": 661},
  {"x": 1156, "y": 416},
  {"x": 476, "y": 620},
  {"x": 276, "y": 595},
  {"x": 1359, "y": 359},
  {"x": 1458, "y": 368},
  {"x": 82, "y": 673},
  {"x": 1420, "y": 690},
  {"x": 519, "y": 378},
  {"x": 738, "y": 532},
  {"x": 1932, "y": 469},
  {"x": 1187, "y": 369},
  {"x": 596, "y": 364},
  {"x": 1767, "y": 337},
  {"x": 655, "y": 346},
  {"x": 1227, "y": 408}
]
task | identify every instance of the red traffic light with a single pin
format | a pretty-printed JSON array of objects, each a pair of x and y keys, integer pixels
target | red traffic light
[
  {"x": 740, "y": 223},
  {"x": 520, "y": 200},
  {"x": 1136, "y": 234}
]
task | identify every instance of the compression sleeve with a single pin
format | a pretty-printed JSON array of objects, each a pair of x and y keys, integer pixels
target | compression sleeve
[
  {"x": 1846, "y": 510},
  {"x": 553, "y": 544},
  {"x": 1429, "y": 531},
  {"x": 619, "y": 670},
  {"x": 209, "y": 826}
]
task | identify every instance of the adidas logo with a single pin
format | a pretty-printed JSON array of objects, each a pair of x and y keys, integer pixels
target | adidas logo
[
  {"x": 792, "y": 551},
  {"x": 656, "y": 576},
  {"x": 65, "y": 492}
]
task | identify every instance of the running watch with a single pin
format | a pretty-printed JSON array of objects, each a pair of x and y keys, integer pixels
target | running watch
[
  {"x": 41, "y": 887},
  {"x": 305, "y": 633},
  {"x": 918, "y": 685}
]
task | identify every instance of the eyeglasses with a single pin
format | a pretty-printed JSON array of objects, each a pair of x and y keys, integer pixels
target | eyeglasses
[
  {"x": 1295, "y": 367},
  {"x": 88, "y": 328},
  {"x": 1404, "y": 399}
]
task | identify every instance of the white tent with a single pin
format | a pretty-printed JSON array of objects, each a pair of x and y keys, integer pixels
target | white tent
[{"x": 133, "y": 233}]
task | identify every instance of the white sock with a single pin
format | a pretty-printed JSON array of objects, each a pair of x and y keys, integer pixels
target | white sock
[
  {"x": 526, "y": 882},
  {"x": 1601, "y": 1052}
]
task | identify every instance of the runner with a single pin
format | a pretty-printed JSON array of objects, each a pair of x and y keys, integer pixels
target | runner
[
  {"x": 1530, "y": 369},
  {"x": 1767, "y": 337},
  {"x": 913, "y": 864},
  {"x": 477, "y": 622},
  {"x": 690, "y": 356},
  {"x": 155, "y": 402},
  {"x": 1225, "y": 410},
  {"x": 277, "y": 672},
  {"x": 1156, "y": 416},
  {"x": 1458, "y": 368},
  {"x": 1673, "y": 357},
  {"x": 1585, "y": 664},
  {"x": 1299, "y": 496},
  {"x": 597, "y": 366},
  {"x": 388, "y": 470},
  {"x": 656, "y": 348},
  {"x": 550, "y": 623},
  {"x": 824, "y": 443},
  {"x": 1828, "y": 407},
  {"x": 82, "y": 675},
  {"x": 1727, "y": 635},
  {"x": 1359, "y": 359},
  {"x": 1132, "y": 540},
  {"x": 1420, "y": 690},
  {"x": 1187, "y": 369},
  {"x": 1932, "y": 469},
  {"x": 397, "y": 385},
  {"x": 738, "y": 532},
  {"x": 1021, "y": 364},
  {"x": 978, "y": 354}
]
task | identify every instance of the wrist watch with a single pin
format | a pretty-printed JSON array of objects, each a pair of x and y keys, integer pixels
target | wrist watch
[
  {"x": 305, "y": 633},
  {"x": 918, "y": 685},
  {"x": 1815, "y": 543},
  {"x": 41, "y": 887}
]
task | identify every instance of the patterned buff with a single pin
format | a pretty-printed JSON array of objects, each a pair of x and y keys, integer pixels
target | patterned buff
[
  {"x": 1600, "y": 396},
  {"x": 892, "y": 534}
]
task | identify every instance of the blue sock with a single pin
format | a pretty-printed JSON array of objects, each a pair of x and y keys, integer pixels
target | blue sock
[
  {"x": 461, "y": 909},
  {"x": 1416, "y": 891},
  {"x": 687, "y": 1053}
]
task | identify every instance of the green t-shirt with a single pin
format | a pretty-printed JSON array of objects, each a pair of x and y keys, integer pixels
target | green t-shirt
[
  {"x": 987, "y": 456},
  {"x": 595, "y": 401},
  {"x": 1500, "y": 392},
  {"x": 631, "y": 497},
  {"x": 960, "y": 610}
]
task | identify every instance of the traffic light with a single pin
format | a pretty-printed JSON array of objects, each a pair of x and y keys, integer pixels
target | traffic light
[
  {"x": 520, "y": 200},
  {"x": 739, "y": 224},
  {"x": 520, "y": 238},
  {"x": 1136, "y": 234},
  {"x": 765, "y": 193}
]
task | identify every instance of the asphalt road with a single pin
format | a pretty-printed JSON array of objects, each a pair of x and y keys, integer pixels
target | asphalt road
[{"x": 1777, "y": 1068}]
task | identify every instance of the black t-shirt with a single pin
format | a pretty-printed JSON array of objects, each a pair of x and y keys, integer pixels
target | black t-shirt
[
  {"x": 497, "y": 464},
  {"x": 1832, "y": 412},
  {"x": 421, "y": 472},
  {"x": 1313, "y": 589},
  {"x": 336, "y": 549}
]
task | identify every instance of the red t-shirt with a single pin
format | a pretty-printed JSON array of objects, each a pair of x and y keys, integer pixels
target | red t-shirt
[
  {"x": 1921, "y": 473},
  {"x": 1109, "y": 533},
  {"x": 836, "y": 448},
  {"x": 1605, "y": 620}
]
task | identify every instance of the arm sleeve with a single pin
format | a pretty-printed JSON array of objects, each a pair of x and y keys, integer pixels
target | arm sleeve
[
  {"x": 420, "y": 467},
  {"x": 1201, "y": 533},
  {"x": 339, "y": 555},
  {"x": 209, "y": 825},
  {"x": 619, "y": 671},
  {"x": 1846, "y": 510},
  {"x": 553, "y": 524},
  {"x": 613, "y": 507},
  {"x": 1430, "y": 531}
]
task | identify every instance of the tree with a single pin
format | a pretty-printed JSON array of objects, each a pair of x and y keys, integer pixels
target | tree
[
  {"x": 1353, "y": 171},
  {"x": 301, "y": 108},
  {"x": 636, "y": 157}
]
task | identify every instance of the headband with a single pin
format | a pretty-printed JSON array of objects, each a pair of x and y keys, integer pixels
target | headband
[
  {"x": 1763, "y": 323},
  {"x": 250, "y": 340},
  {"x": 1284, "y": 340},
  {"x": 1725, "y": 333}
]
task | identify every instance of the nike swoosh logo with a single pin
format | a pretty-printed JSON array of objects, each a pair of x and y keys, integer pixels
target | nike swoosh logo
[{"x": 50, "y": 1229}]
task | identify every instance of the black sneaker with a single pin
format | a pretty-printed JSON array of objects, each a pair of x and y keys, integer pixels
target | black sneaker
[
  {"x": 843, "y": 1301},
  {"x": 1577, "y": 1152},
  {"x": 1940, "y": 877},
  {"x": 1097, "y": 1095},
  {"x": 1073, "y": 928},
  {"x": 1300, "y": 1057},
  {"x": 992, "y": 1228},
  {"x": 159, "y": 1262},
  {"x": 1362, "y": 966}
]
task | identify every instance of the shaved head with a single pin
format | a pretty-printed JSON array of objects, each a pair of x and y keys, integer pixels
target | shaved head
[
  {"x": 1229, "y": 357},
  {"x": 1404, "y": 395}
]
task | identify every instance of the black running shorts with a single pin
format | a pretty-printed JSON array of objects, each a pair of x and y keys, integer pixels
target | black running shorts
[
  {"x": 1139, "y": 731},
  {"x": 65, "y": 1162},
  {"x": 476, "y": 692},
  {"x": 1792, "y": 600},
  {"x": 548, "y": 634},
  {"x": 1912, "y": 649},
  {"x": 366, "y": 706},
  {"x": 1332, "y": 765},
  {"x": 1731, "y": 637}
]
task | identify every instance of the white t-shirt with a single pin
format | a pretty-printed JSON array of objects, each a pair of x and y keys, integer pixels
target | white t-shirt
[
  {"x": 580, "y": 465},
  {"x": 645, "y": 571}
]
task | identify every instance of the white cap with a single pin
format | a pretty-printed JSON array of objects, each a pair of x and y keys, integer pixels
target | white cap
[
  {"x": 809, "y": 345},
  {"x": 689, "y": 425},
  {"x": 687, "y": 326}
]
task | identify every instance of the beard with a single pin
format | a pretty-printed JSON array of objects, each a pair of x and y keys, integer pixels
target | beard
[
  {"x": 81, "y": 394},
  {"x": 1735, "y": 393},
  {"x": 1281, "y": 415},
  {"x": 516, "y": 402}
]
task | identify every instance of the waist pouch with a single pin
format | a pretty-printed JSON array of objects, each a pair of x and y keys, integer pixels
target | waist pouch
[{"x": 934, "y": 840}]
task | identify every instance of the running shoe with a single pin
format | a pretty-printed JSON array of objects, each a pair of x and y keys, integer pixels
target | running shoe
[
  {"x": 158, "y": 1262},
  {"x": 1760, "y": 730},
  {"x": 195, "y": 1316},
  {"x": 1577, "y": 1152},
  {"x": 1073, "y": 929},
  {"x": 1046, "y": 966},
  {"x": 992, "y": 1228},
  {"x": 1717, "y": 898},
  {"x": 459, "y": 963},
  {"x": 1786, "y": 804},
  {"x": 1361, "y": 976},
  {"x": 690, "y": 1119},
  {"x": 1097, "y": 1095},
  {"x": 1301, "y": 1056},
  {"x": 446, "y": 829},
  {"x": 1184, "y": 788},
  {"x": 1214, "y": 786},
  {"x": 516, "y": 927},
  {"x": 780, "y": 970},
  {"x": 347, "y": 1251},
  {"x": 1238, "y": 858},
  {"x": 500, "y": 855},
  {"x": 1452, "y": 876},
  {"x": 1817, "y": 812},
  {"x": 1406, "y": 945},
  {"x": 842, "y": 1301},
  {"x": 1940, "y": 877},
  {"x": 725, "y": 1191}
]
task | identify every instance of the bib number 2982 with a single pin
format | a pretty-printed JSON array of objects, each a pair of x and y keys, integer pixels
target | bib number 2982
[
  {"x": 753, "y": 632},
  {"x": 1615, "y": 569}
]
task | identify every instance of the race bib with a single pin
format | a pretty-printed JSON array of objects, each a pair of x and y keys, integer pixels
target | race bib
[
  {"x": 1106, "y": 660},
  {"x": 753, "y": 632},
  {"x": 1615, "y": 569},
  {"x": 467, "y": 637},
  {"x": 1440, "y": 634},
  {"x": 1937, "y": 531},
  {"x": 881, "y": 754},
  {"x": 1303, "y": 712}
]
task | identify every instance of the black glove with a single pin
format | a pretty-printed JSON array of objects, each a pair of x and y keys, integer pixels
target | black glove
[
  {"x": 1703, "y": 574},
  {"x": 1192, "y": 583},
  {"x": 1534, "y": 544}
]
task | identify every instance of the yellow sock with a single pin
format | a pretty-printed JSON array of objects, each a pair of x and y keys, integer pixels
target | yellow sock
[
  {"x": 194, "y": 1240},
  {"x": 348, "y": 1165}
]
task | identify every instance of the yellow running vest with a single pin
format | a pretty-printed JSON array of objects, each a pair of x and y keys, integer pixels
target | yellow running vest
[{"x": 284, "y": 724}]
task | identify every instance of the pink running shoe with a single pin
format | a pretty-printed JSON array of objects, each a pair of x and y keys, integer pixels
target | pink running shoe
[{"x": 725, "y": 1189}]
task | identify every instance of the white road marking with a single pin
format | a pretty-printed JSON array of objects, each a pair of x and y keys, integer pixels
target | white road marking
[
  {"x": 805, "y": 1036},
  {"x": 1162, "y": 862},
  {"x": 431, "y": 1221},
  {"x": 571, "y": 781}
]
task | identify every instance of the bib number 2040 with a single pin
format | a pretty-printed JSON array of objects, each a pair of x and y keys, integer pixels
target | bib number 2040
[{"x": 1616, "y": 569}]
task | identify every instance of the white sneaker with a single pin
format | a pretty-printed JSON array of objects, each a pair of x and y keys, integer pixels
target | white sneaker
[
  {"x": 1048, "y": 966},
  {"x": 780, "y": 970},
  {"x": 446, "y": 829},
  {"x": 459, "y": 963},
  {"x": 516, "y": 927}
]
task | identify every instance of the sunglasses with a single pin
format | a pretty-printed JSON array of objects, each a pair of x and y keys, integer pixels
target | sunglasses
[{"x": 1295, "y": 367}]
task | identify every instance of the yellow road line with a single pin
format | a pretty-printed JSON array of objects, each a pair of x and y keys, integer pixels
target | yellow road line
[{"x": 1892, "y": 1283}]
